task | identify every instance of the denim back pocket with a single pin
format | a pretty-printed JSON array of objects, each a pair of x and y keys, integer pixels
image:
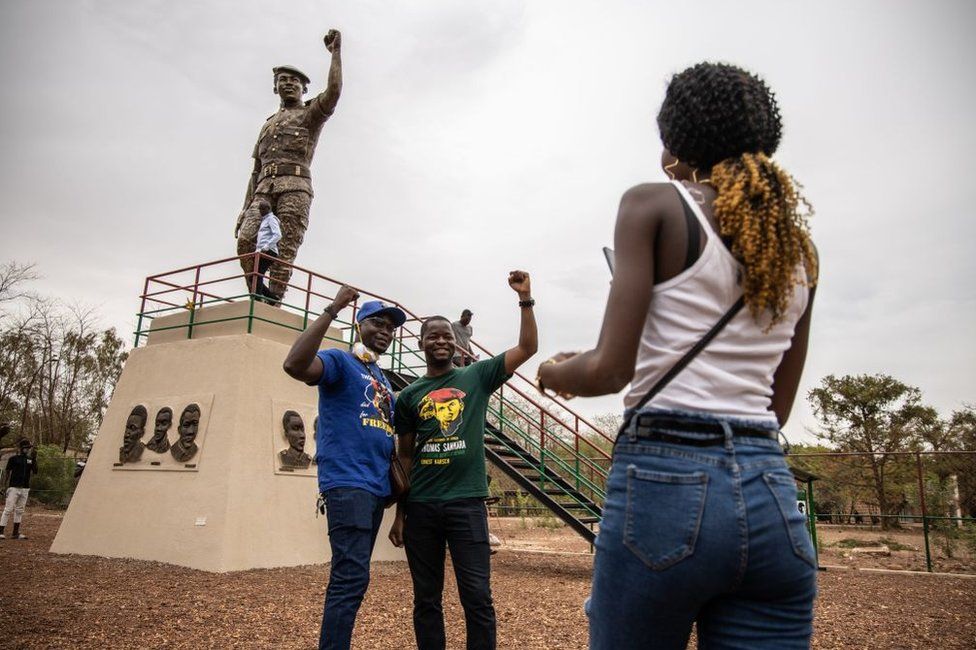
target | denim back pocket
[
  {"x": 783, "y": 487},
  {"x": 664, "y": 513}
]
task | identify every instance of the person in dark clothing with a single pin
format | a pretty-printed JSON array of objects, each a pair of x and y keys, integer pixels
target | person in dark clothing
[
  {"x": 440, "y": 422},
  {"x": 16, "y": 478}
]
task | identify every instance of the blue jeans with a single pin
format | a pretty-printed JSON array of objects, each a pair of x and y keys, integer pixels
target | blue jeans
[
  {"x": 354, "y": 518},
  {"x": 706, "y": 534}
]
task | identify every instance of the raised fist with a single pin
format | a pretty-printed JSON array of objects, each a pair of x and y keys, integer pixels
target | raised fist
[
  {"x": 333, "y": 40},
  {"x": 519, "y": 281},
  {"x": 345, "y": 297}
]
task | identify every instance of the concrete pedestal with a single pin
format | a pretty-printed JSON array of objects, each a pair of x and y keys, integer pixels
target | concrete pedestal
[{"x": 231, "y": 506}]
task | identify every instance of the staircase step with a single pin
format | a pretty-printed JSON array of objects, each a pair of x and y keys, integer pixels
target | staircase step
[
  {"x": 522, "y": 464},
  {"x": 508, "y": 453},
  {"x": 589, "y": 520},
  {"x": 575, "y": 505},
  {"x": 559, "y": 491}
]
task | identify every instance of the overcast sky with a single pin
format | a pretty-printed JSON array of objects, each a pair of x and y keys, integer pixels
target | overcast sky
[{"x": 479, "y": 136}]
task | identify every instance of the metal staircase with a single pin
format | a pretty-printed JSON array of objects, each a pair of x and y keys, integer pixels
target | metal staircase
[
  {"x": 548, "y": 487},
  {"x": 570, "y": 484}
]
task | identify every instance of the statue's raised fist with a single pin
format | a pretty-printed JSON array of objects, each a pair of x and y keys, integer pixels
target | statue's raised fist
[{"x": 333, "y": 40}]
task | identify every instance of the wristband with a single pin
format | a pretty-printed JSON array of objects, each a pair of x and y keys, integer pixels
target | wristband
[
  {"x": 527, "y": 303},
  {"x": 331, "y": 312}
]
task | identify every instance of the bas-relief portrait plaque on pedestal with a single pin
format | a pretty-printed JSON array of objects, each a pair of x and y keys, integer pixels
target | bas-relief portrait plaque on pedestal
[
  {"x": 294, "y": 455},
  {"x": 175, "y": 445},
  {"x": 294, "y": 447},
  {"x": 185, "y": 448},
  {"x": 160, "y": 439},
  {"x": 135, "y": 428}
]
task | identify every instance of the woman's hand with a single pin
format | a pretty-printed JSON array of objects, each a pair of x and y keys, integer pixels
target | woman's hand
[{"x": 547, "y": 369}]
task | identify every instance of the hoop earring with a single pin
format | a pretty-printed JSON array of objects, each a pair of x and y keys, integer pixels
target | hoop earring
[
  {"x": 694, "y": 178},
  {"x": 667, "y": 169}
]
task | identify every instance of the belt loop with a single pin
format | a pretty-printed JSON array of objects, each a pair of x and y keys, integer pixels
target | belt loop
[
  {"x": 729, "y": 435},
  {"x": 785, "y": 444},
  {"x": 632, "y": 425}
]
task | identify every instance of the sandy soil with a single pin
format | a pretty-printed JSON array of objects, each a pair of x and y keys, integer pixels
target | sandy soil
[{"x": 540, "y": 578}]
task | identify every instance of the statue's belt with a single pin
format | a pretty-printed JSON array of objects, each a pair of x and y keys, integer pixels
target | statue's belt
[{"x": 273, "y": 170}]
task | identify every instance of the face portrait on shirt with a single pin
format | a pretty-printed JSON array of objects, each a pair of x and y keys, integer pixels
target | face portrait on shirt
[{"x": 446, "y": 406}]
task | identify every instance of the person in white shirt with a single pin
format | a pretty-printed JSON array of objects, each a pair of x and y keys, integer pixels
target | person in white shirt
[{"x": 269, "y": 234}]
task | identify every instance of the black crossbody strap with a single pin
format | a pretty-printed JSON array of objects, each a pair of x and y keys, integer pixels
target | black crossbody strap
[{"x": 687, "y": 358}]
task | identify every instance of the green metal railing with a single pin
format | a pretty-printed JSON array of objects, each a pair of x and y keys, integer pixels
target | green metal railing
[
  {"x": 924, "y": 516},
  {"x": 558, "y": 466},
  {"x": 565, "y": 442}
]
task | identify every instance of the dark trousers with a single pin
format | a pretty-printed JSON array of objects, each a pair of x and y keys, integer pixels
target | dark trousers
[
  {"x": 461, "y": 526},
  {"x": 263, "y": 265},
  {"x": 354, "y": 518}
]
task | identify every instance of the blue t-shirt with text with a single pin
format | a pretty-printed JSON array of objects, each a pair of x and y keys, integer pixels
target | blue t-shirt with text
[{"x": 354, "y": 436}]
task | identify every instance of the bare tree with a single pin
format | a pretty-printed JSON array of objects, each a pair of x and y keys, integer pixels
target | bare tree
[
  {"x": 58, "y": 368},
  {"x": 13, "y": 275}
]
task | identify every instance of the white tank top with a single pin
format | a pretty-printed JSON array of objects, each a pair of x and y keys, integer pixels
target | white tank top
[{"x": 733, "y": 375}]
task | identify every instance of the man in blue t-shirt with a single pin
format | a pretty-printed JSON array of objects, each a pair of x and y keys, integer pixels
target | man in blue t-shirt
[{"x": 354, "y": 442}]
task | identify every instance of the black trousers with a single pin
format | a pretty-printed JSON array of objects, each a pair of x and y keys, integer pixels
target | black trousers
[
  {"x": 263, "y": 265},
  {"x": 462, "y": 527}
]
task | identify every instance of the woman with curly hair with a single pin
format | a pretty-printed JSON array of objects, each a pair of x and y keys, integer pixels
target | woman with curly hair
[{"x": 700, "y": 523}]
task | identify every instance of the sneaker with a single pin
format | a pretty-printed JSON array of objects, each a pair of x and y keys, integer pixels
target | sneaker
[
  {"x": 20, "y": 536},
  {"x": 2, "y": 536}
]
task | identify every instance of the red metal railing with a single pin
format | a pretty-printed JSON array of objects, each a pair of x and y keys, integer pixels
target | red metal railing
[{"x": 225, "y": 281}]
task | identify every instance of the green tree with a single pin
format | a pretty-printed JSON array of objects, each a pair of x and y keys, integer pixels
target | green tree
[
  {"x": 961, "y": 428},
  {"x": 875, "y": 415},
  {"x": 843, "y": 480},
  {"x": 55, "y": 480}
]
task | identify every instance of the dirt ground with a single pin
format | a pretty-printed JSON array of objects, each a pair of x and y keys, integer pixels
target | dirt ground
[
  {"x": 907, "y": 545},
  {"x": 907, "y": 548},
  {"x": 540, "y": 578}
]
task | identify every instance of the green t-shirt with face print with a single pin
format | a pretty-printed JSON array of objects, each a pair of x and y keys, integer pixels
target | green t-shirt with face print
[{"x": 447, "y": 414}]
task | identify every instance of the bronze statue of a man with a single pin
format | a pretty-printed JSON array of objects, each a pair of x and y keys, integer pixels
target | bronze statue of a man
[{"x": 282, "y": 157}]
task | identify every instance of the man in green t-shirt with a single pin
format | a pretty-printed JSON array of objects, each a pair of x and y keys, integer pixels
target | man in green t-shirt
[{"x": 442, "y": 414}]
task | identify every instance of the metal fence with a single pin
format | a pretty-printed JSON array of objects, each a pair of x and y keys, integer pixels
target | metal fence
[{"x": 918, "y": 521}]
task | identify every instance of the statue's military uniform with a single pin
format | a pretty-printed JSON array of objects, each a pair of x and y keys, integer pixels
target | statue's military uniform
[{"x": 283, "y": 154}]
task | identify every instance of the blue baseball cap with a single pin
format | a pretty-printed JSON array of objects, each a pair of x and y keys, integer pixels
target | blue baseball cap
[{"x": 377, "y": 308}]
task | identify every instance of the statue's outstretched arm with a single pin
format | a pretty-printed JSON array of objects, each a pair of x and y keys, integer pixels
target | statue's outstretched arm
[{"x": 327, "y": 100}]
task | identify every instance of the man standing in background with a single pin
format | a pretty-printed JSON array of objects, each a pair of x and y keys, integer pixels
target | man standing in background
[
  {"x": 16, "y": 478},
  {"x": 269, "y": 234},
  {"x": 462, "y": 338}
]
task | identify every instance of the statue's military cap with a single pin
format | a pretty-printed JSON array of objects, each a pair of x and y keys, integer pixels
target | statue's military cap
[{"x": 293, "y": 70}]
